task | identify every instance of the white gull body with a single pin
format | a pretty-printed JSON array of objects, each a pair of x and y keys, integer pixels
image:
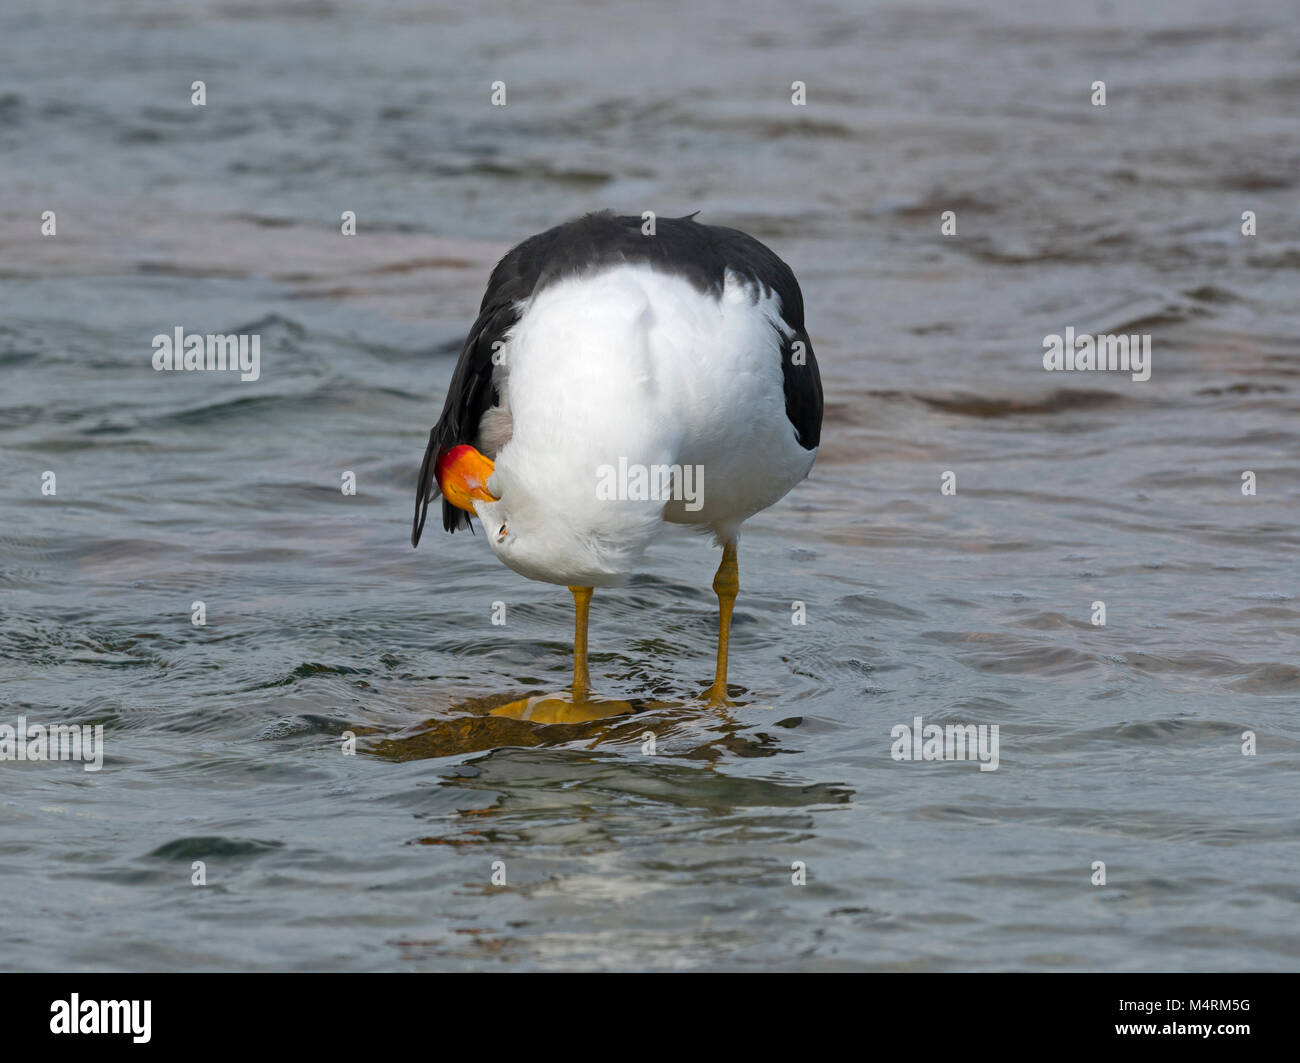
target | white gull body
[{"x": 630, "y": 367}]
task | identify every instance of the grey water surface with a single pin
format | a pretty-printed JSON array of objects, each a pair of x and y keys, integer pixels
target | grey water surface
[{"x": 223, "y": 743}]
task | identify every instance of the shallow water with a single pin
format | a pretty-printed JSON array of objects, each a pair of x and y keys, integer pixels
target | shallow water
[{"x": 1119, "y": 743}]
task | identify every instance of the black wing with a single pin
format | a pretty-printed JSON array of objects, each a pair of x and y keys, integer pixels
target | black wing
[
  {"x": 468, "y": 396},
  {"x": 742, "y": 254}
]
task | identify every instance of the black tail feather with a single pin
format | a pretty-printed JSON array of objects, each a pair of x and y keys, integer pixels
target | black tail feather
[{"x": 425, "y": 489}]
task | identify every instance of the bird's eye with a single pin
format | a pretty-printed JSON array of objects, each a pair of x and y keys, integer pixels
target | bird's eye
[{"x": 501, "y": 533}]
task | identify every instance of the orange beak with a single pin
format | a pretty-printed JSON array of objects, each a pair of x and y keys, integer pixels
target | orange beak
[{"x": 463, "y": 475}]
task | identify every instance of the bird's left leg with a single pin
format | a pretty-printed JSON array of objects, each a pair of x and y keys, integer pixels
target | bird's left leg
[
  {"x": 581, "y": 678},
  {"x": 726, "y": 584}
]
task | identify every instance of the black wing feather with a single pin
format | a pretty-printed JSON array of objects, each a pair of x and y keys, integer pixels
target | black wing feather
[
  {"x": 802, "y": 381},
  {"x": 468, "y": 396}
]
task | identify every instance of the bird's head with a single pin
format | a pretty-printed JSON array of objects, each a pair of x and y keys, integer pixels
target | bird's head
[
  {"x": 534, "y": 526},
  {"x": 463, "y": 475}
]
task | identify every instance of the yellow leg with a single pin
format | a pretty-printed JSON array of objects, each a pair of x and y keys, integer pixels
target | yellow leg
[
  {"x": 725, "y": 584},
  {"x": 581, "y": 678},
  {"x": 579, "y": 706}
]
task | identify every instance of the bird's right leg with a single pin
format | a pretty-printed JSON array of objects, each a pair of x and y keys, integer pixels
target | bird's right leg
[
  {"x": 580, "y": 706},
  {"x": 581, "y": 677},
  {"x": 726, "y": 584}
]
